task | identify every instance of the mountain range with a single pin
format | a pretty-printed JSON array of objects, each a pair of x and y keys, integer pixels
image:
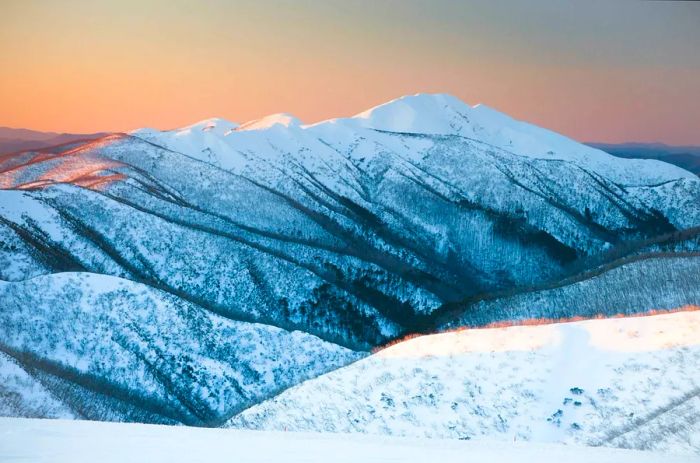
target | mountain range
[
  {"x": 687, "y": 157},
  {"x": 14, "y": 140},
  {"x": 185, "y": 276}
]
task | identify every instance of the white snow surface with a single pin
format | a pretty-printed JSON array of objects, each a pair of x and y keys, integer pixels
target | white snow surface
[
  {"x": 59, "y": 441},
  {"x": 621, "y": 382},
  {"x": 221, "y": 142}
]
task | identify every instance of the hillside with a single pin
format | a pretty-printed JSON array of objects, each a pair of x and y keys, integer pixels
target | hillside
[
  {"x": 621, "y": 382},
  {"x": 96, "y": 347},
  {"x": 653, "y": 281}
]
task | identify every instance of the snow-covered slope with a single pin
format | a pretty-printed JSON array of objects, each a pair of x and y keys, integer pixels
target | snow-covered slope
[
  {"x": 100, "y": 347},
  {"x": 21, "y": 394},
  {"x": 58, "y": 441},
  {"x": 659, "y": 283},
  {"x": 629, "y": 382}
]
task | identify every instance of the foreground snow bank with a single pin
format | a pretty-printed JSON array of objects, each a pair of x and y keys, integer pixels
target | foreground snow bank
[{"x": 58, "y": 441}]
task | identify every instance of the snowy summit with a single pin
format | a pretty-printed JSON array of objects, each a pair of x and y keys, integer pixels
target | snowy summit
[{"x": 426, "y": 114}]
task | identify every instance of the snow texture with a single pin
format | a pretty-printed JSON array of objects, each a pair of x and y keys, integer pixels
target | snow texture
[{"x": 57, "y": 441}]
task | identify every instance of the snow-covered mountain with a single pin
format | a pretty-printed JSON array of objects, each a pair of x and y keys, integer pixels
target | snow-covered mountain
[
  {"x": 421, "y": 114},
  {"x": 622, "y": 382},
  {"x": 338, "y": 237}
]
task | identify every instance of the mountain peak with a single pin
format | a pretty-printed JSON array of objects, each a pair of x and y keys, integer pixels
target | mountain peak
[
  {"x": 432, "y": 113},
  {"x": 283, "y": 119},
  {"x": 419, "y": 113},
  {"x": 214, "y": 124}
]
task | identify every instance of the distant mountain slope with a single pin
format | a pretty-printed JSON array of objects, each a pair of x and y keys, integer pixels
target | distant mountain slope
[
  {"x": 686, "y": 157},
  {"x": 655, "y": 281},
  {"x": 628, "y": 382},
  {"x": 13, "y": 140}
]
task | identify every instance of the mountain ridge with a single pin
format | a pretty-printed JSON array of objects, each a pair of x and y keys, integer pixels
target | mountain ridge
[{"x": 443, "y": 114}]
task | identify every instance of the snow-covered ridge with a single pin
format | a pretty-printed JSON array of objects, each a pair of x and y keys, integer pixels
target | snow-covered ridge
[
  {"x": 283, "y": 119},
  {"x": 425, "y": 114},
  {"x": 621, "y": 382},
  {"x": 621, "y": 334}
]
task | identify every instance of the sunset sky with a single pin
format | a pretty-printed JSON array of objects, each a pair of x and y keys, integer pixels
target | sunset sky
[{"x": 596, "y": 71}]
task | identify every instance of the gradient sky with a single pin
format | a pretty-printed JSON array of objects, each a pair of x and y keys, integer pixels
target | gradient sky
[{"x": 596, "y": 71}]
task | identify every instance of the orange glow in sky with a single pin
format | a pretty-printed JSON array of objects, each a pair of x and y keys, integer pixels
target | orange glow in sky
[{"x": 595, "y": 71}]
